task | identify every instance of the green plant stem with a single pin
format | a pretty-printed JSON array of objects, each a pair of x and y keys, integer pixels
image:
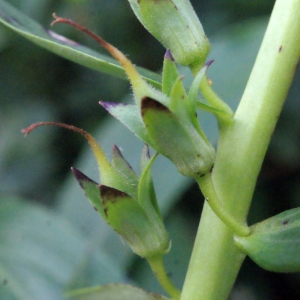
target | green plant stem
[
  {"x": 157, "y": 265},
  {"x": 215, "y": 261},
  {"x": 207, "y": 188}
]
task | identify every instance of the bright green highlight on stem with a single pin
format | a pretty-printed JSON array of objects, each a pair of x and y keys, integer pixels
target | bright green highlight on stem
[{"x": 241, "y": 150}]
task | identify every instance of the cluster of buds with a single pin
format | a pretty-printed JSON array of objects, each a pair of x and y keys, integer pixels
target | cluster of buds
[
  {"x": 164, "y": 119},
  {"x": 133, "y": 214},
  {"x": 127, "y": 203},
  {"x": 167, "y": 120}
]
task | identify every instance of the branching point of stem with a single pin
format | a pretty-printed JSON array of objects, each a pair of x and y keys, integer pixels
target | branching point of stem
[{"x": 207, "y": 188}]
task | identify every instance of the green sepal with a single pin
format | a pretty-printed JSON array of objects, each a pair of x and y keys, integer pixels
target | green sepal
[
  {"x": 170, "y": 73},
  {"x": 129, "y": 115},
  {"x": 181, "y": 143},
  {"x": 109, "y": 175},
  {"x": 146, "y": 192},
  {"x": 142, "y": 89},
  {"x": 91, "y": 191},
  {"x": 192, "y": 101},
  {"x": 148, "y": 201},
  {"x": 128, "y": 218},
  {"x": 121, "y": 165},
  {"x": 183, "y": 105},
  {"x": 194, "y": 90},
  {"x": 274, "y": 244},
  {"x": 205, "y": 106},
  {"x": 178, "y": 101}
]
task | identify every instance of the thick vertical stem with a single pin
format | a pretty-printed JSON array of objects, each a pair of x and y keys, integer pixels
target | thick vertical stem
[{"x": 216, "y": 260}]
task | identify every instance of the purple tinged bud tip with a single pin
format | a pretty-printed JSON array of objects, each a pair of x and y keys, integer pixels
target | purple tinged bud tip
[
  {"x": 168, "y": 55},
  {"x": 116, "y": 148},
  {"x": 209, "y": 62},
  {"x": 80, "y": 177},
  {"x": 108, "y": 105},
  {"x": 117, "y": 152}
]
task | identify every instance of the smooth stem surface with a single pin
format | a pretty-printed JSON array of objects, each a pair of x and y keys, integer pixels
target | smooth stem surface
[
  {"x": 157, "y": 265},
  {"x": 215, "y": 260}
]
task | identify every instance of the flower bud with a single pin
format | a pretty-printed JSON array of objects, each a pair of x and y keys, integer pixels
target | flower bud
[
  {"x": 176, "y": 133},
  {"x": 175, "y": 24},
  {"x": 128, "y": 204},
  {"x": 171, "y": 127},
  {"x": 138, "y": 220},
  {"x": 179, "y": 141}
]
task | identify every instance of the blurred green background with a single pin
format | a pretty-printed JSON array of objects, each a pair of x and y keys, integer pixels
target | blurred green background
[{"x": 50, "y": 237}]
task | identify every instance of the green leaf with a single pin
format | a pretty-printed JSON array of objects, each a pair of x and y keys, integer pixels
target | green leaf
[
  {"x": 38, "y": 246},
  {"x": 31, "y": 30},
  {"x": 274, "y": 244},
  {"x": 114, "y": 292},
  {"x": 121, "y": 165}
]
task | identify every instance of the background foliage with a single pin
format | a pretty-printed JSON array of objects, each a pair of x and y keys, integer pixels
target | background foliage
[{"x": 50, "y": 237}]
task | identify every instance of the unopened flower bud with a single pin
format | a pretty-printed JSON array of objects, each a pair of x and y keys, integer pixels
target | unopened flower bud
[{"x": 175, "y": 24}]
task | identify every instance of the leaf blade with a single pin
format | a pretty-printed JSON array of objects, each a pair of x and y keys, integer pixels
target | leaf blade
[
  {"x": 114, "y": 291},
  {"x": 73, "y": 51},
  {"x": 275, "y": 243}
]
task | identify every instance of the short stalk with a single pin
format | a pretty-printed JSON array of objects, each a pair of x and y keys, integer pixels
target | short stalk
[{"x": 157, "y": 265}]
